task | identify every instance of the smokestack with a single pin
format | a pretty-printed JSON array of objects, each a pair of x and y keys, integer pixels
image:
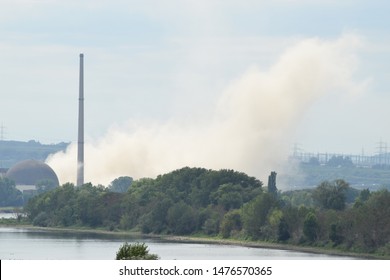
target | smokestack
[{"x": 80, "y": 146}]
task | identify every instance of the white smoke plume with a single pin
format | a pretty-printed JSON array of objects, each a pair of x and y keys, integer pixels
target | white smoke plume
[{"x": 250, "y": 131}]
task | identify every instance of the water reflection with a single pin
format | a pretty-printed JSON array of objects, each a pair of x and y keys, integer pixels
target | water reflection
[{"x": 18, "y": 243}]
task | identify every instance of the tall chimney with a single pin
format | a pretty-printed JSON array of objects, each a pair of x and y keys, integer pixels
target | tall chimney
[{"x": 80, "y": 146}]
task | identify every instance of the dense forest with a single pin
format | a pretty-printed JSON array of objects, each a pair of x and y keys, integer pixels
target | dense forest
[{"x": 227, "y": 204}]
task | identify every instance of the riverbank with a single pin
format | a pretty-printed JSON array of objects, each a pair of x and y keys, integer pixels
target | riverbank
[
  {"x": 205, "y": 240},
  {"x": 270, "y": 245}
]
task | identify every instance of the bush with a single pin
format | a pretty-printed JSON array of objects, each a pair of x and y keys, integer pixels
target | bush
[
  {"x": 42, "y": 220},
  {"x": 310, "y": 227},
  {"x": 231, "y": 221},
  {"x": 283, "y": 230},
  {"x": 135, "y": 251}
]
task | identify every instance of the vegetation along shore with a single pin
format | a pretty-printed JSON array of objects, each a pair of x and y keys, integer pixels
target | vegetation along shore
[{"x": 225, "y": 206}]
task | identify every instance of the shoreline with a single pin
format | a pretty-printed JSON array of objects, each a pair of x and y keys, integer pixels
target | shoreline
[
  {"x": 268, "y": 245},
  {"x": 206, "y": 240}
]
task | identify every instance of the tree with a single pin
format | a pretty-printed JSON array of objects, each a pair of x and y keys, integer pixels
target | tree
[
  {"x": 90, "y": 205},
  {"x": 255, "y": 213},
  {"x": 364, "y": 195},
  {"x": 310, "y": 227},
  {"x": 231, "y": 221},
  {"x": 372, "y": 221},
  {"x": 314, "y": 161},
  {"x": 229, "y": 196},
  {"x": 340, "y": 161},
  {"x": 331, "y": 195},
  {"x": 294, "y": 218},
  {"x": 137, "y": 251},
  {"x": 156, "y": 220},
  {"x": 283, "y": 230},
  {"x": 181, "y": 218},
  {"x": 335, "y": 234},
  {"x": 9, "y": 194},
  {"x": 272, "y": 183},
  {"x": 121, "y": 184}
]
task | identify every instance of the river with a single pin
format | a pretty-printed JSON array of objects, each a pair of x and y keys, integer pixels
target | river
[{"x": 34, "y": 244}]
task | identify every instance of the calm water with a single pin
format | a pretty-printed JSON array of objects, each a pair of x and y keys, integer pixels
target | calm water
[{"x": 16, "y": 243}]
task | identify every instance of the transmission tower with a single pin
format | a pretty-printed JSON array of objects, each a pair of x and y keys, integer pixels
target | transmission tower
[
  {"x": 2, "y": 132},
  {"x": 382, "y": 152},
  {"x": 1, "y": 146}
]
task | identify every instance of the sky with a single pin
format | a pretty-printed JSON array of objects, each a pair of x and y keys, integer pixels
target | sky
[{"x": 218, "y": 84}]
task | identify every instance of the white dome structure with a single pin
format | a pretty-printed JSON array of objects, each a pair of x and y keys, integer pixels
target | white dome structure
[{"x": 30, "y": 172}]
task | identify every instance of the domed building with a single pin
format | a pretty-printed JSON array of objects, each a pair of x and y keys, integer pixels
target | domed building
[{"x": 26, "y": 174}]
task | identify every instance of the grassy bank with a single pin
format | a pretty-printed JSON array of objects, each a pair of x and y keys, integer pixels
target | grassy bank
[{"x": 270, "y": 245}]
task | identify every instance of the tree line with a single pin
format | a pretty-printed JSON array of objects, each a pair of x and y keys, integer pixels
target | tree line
[
  {"x": 224, "y": 203},
  {"x": 10, "y": 196}
]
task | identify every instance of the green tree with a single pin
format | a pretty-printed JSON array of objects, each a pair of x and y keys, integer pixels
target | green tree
[
  {"x": 121, "y": 184},
  {"x": 41, "y": 220},
  {"x": 137, "y": 251},
  {"x": 272, "y": 183},
  {"x": 209, "y": 219},
  {"x": 331, "y": 195},
  {"x": 294, "y": 218},
  {"x": 181, "y": 218},
  {"x": 228, "y": 196},
  {"x": 340, "y": 161},
  {"x": 336, "y": 234},
  {"x": 112, "y": 209},
  {"x": 231, "y": 222},
  {"x": 255, "y": 213},
  {"x": 90, "y": 207},
  {"x": 311, "y": 227},
  {"x": 9, "y": 194},
  {"x": 364, "y": 195},
  {"x": 283, "y": 230},
  {"x": 57, "y": 206},
  {"x": 156, "y": 219},
  {"x": 372, "y": 221},
  {"x": 274, "y": 217}
]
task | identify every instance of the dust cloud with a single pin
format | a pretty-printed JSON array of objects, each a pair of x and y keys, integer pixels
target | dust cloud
[{"x": 250, "y": 130}]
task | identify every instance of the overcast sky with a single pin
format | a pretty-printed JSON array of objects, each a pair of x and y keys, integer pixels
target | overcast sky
[{"x": 161, "y": 61}]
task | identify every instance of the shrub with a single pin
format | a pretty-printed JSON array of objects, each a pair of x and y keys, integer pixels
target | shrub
[
  {"x": 135, "y": 251},
  {"x": 42, "y": 220}
]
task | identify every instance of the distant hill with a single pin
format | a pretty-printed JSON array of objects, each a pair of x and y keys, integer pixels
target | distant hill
[{"x": 12, "y": 152}]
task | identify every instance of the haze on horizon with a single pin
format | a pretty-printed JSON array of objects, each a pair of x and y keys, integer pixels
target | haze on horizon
[{"x": 195, "y": 79}]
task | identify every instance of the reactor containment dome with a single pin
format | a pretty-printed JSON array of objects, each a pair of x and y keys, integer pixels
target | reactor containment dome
[{"x": 30, "y": 172}]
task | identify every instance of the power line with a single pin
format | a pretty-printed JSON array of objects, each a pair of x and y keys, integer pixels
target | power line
[{"x": 381, "y": 157}]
